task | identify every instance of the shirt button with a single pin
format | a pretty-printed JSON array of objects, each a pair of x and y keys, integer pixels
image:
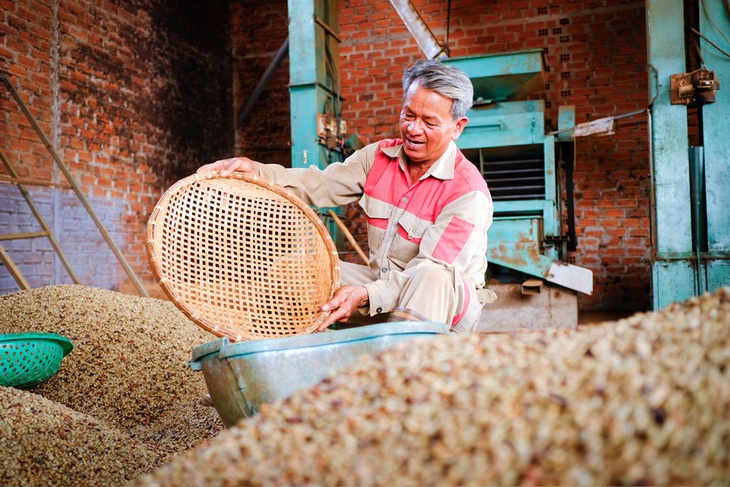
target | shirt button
[
  {"x": 404, "y": 199},
  {"x": 384, "y": 269},
  {"x": 379, "y": 310}
]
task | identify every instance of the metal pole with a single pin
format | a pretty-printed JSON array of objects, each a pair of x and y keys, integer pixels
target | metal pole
[
  {"x": 419, "y": 29},
  {"x": 283, "y": 50},
  {"x": 699, "y": 215},
  {"x": 122, "y": 260}
]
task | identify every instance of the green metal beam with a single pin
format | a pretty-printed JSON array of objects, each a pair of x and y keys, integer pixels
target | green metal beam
[
  {"x": 715, "y": 25},
  {"x": 671, "y": 214},
  {"x": 314, "y": 75},
  {"x": 313, "y": 87}
]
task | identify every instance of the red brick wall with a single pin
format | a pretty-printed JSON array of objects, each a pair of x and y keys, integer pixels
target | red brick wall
[{"x": 134, "y": 95}]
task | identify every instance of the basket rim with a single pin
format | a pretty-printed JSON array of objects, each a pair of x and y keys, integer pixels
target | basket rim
[
  {"x": 190, "y": 311},
  {"x": 66, "y": 343}
]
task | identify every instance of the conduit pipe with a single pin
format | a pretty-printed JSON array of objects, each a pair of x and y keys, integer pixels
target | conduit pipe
[
  {"x": 283, "y": 51},
  {"x": 419, "y": 30}
]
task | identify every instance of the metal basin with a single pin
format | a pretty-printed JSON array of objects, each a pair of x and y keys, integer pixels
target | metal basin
[{"x": 242, "y": 376}]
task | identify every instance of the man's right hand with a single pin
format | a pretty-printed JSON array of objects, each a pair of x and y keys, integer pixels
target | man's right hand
[
  {"x": 226, "y": 167},
  {"x": 345, "y": 301}
]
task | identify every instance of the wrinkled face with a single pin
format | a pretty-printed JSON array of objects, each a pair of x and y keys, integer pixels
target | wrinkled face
[{"x": 426, "y": 125}]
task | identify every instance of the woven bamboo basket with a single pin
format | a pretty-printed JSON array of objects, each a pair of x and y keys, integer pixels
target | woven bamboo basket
[{"x": 242, "y": 257}]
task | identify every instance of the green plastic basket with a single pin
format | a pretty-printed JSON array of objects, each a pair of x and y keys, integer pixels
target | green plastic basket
[{"x": 28, "y": 359}]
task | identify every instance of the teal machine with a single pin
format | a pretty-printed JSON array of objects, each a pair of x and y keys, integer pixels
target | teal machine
[
  {"x": 523, "y": 165},
  {"x": 318, "y": 133},
  {"x": 690, "y": 202}
]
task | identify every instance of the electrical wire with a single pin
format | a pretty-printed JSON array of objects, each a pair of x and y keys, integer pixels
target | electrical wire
[
  {"x": 709, "y": 19},
  {"x": 699, "y": 53},
  {"x": 710, "y": 42}
]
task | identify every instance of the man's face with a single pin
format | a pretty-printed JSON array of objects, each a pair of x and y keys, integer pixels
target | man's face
[{"x": 426, "y": 125}]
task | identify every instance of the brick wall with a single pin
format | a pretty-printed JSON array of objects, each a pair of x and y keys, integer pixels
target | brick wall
[{"x": 133, "y": 95}]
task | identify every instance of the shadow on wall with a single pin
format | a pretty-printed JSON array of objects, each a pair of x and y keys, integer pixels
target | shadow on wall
[{"x": 191, "y": 62}]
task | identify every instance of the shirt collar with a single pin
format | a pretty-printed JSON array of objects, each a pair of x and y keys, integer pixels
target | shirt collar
[{"x": 443, "y": 168}]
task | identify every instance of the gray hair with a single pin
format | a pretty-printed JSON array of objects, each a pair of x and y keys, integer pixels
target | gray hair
[{"x": 448, "y": 81}]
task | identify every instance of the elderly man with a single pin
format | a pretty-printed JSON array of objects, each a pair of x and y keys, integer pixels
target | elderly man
[{"x": 428, "y": 209}]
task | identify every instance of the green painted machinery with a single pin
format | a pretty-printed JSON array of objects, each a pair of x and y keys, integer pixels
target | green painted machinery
[
  {"x": 506, "y": 138},
  {"x": 690, "y": 202}
]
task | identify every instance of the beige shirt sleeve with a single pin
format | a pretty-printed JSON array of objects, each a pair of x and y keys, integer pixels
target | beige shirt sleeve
[{"x": 338, "y": 184}]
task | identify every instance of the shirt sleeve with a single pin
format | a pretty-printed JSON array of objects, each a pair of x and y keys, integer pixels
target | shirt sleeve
[
  {"x": 457, "y": 241},
  {"x": 338, "y": 184}
]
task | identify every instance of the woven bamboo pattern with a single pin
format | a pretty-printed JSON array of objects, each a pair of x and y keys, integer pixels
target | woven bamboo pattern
[{"x": 241, "y": 257}]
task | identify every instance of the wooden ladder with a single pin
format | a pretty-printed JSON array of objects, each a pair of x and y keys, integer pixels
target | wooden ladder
[{"x": 46, "y": 230}]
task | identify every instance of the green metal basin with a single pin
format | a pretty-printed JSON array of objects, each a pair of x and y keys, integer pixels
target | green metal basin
[{"x": 242, "y": 376}]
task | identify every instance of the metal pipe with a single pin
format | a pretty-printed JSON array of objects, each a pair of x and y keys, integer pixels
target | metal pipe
[
  {"x": 259, "y": 88},
  {"x": 569, "y": 161},
  {"x": 699, "y": 215},
  {"x": 652, "y": 182},
  {"x": 419, "y": 30},
  {"x": 585, "y": 124}
]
